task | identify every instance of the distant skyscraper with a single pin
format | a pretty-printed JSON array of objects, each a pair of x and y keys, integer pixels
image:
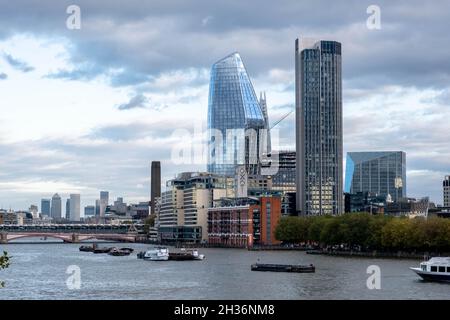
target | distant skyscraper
[
  {"x": 56, "y": 209},
  {"x": 104, "y": 201},
  {"x": 446, "y": 185},
  {"x": 97, "y": 207},
  {"x": 45, "y": 207},
  {"x": 383, "y": 173},
  {"x": 74, "y": 207},
  {"x": 233, "y": 110},
  {"x": 68, "y": 209},
  {"x": 319, "y": 128},
  {"x": 89, "y": 211},
  {"x": 155, "y": 184}
]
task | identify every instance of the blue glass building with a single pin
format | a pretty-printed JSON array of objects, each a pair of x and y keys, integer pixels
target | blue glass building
[
  {"x": 233, "y": 109},
  {"x": 382, "y": 173}
]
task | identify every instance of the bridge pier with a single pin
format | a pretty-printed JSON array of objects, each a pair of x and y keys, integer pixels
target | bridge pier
[
  {"x": 75, "y": 238},
  {"x": 3, "y": 237}
]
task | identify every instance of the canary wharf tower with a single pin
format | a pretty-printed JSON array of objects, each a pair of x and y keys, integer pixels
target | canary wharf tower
[
  {"x": 234, "y": 116},
  {"x": 319, "y": 127}
]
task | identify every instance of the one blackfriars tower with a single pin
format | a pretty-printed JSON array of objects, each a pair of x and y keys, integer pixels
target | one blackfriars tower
[
  {"x": 237, "y": 123},
  {"x": 319, "y": 127}
]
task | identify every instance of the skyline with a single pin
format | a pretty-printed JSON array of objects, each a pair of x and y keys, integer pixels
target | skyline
[{"x": 104, "y": 114}]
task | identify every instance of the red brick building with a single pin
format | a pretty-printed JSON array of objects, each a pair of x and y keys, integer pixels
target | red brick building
[{"x": 244, "y": 222}]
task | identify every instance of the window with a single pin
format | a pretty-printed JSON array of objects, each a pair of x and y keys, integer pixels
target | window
[
  {"x": 433, "y": 269},
  {"x": 448, "y": 269},
  {"x": 441, "y": 269}
]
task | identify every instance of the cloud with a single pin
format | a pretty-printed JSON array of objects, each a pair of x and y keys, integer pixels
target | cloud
[
  {"x": 17, "y": 63},
  {"x": 3, "y": 76},
  {"x": 396, "y": 80},
  {"x": 138, "y": 101}
]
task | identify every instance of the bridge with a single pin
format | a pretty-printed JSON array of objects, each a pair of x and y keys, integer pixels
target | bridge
[{"x": 72, "y": 233}]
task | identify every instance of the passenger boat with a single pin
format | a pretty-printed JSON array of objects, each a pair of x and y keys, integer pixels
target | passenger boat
[
  {"x": 435, "y": 269},
  {"x": 119, "y": 252},
  {"x": 283, "y": 268},
  {"x": 157, "y": 254}
]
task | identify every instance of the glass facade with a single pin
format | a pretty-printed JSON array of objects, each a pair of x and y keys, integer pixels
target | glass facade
[
  {"x": 382, "y": 173},
  {"x": 319, "y": 128},
  {"x": 233, "y": 108}
]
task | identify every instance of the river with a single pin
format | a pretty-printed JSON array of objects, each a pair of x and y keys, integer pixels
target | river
[{"x": 38, "y": 271}]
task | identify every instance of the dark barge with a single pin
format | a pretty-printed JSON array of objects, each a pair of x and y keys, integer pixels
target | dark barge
[{"x": 283, "y": 268}]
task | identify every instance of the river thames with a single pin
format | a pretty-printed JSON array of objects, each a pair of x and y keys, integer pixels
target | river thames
[{"x": 38, "y": 271}]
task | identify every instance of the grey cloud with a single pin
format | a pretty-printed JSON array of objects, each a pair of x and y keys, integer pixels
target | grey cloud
[
  {"x": 150, "y": 37},
  {"x": 138, "y": 101},
  {"x": 3, "y": 76},
  {"x": 17, "y": 63}
]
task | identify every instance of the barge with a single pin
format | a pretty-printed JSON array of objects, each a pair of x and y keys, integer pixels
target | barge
[{"x": 283, "y": 268}]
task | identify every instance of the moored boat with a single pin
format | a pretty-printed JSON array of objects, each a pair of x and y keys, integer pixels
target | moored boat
[
  {"x": 191, "y": 254},
  {"x": 283, "y": 268},
  {"x": 119, "y": 252},
  {"x": 87, "y": 248},
  {"x": 436, "y": 269},
  {"x": 102, "y": 250},
  {"x": 157, "y": 254}
]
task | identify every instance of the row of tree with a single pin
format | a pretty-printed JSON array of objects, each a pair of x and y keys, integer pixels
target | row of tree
[{"x": 368, "y": 231}]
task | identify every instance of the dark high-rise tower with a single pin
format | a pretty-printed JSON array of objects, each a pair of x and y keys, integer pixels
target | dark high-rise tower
[
  {"x": 155, "y": 184},
  {"x": 319, "y": 128}
]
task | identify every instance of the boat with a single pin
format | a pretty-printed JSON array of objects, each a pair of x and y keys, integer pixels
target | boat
[
  {"x": 102, "y": 250},
  {"x": 186, "y": 255},
  {"x": 283, "y": 268},
  {"x": 141, "y": 255},
  {"x": 87, "y": 248},
  {"x": 197, "y": 255},
  {"x": 436, "y": 269},
  {"x": 157, "y": 254},
  {"x": 119, "y": 252},
  {"x": 130, "y": 250}
]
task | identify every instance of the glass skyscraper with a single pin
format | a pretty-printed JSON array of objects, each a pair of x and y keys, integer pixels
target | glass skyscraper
[
  {"x": 319, "y": 128},
  {"x": 233, "y": 109},
  {"x": 383, "y": 173}
]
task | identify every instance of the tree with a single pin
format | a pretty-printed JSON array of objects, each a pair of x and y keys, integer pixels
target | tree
[{"x": 4, "y": 263}]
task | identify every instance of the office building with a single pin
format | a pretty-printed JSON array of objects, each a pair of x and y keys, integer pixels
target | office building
[
  {"x": 319, "y": 145},
  {"x": 155, "y": 185},
  {"x": 89, "y": 211},
  {"x": 244, "y": 222},
  {"x": 97, "y": 207},
  {"x": 45, "y": 207},
  {"x": 236, "y": 120},
  {"x": 68, "y": 209},
  {"x": 74, "y": 207},
  {"x": 104, "y": 202},
  {"x": 188, "y": 197},
  {"x": 381, "y": 173},
  {"x": 56, "y": 208},
  {"x": 284, "y": 179},
  {"x": 446, "y": 187}
]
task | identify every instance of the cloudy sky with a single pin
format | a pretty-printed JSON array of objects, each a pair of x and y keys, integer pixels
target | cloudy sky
[{"x": 88, "y": 110}]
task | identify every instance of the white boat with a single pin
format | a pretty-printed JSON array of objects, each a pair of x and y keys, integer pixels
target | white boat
[
  {"x": 197, "y": 256},
  {"x": 157, "y": 254},
  {"x": 435, "y": 269}
]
